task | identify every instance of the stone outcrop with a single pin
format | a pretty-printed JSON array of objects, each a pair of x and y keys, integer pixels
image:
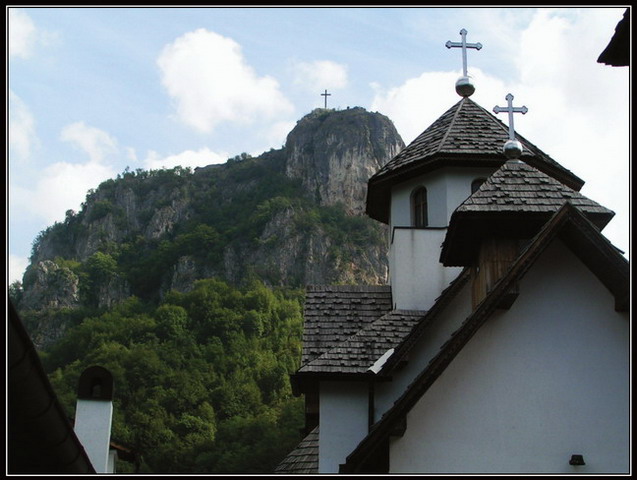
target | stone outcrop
[
  {"x": 331, "y": 153},
  {"x": 335, "y": 152}
]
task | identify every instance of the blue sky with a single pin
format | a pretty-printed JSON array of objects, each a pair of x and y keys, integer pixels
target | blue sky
[{"x": 92, "y": 91}]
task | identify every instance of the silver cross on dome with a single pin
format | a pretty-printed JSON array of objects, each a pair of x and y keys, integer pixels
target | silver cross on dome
[
  {"x": 464, "y": 85},
  {"x": 512, "y": 148}
]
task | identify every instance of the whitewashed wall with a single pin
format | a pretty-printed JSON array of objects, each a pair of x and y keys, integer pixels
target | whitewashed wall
[
  {"x": 416, "y": 275},
  {"x": 93, "y": 428},
  {"x": 446, "y": 189},
  {"x": 343, "y": 421},
  {"x": 437, "y": 333},
  {"x": 537, "y": 383}
]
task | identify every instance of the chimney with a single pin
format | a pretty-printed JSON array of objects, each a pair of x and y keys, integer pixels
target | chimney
[{"x": 93, "y": 416}]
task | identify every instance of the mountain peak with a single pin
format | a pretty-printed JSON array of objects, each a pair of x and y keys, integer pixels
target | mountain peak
[{"x": 335, "y": 152}]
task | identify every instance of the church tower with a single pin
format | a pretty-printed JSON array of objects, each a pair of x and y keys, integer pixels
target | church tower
[{"x": 419, "y": 189}]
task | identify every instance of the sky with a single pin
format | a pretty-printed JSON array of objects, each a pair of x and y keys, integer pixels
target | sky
[{"x": 93, "y": 91}]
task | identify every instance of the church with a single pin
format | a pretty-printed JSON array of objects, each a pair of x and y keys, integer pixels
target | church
[{"x": 501, "y": 345}]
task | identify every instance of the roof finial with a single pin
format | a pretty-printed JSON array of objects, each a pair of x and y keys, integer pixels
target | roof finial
[
  {"x": 512, "y": 148},
  {"x": 464, "y": 85}
]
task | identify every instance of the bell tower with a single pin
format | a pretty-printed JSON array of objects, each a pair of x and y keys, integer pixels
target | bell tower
[{"x": 417, "y": 191}]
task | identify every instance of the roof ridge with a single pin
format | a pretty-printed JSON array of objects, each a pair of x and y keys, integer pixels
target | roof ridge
[
  {"x": 453, "y": 120},
  {"x": 348, "y": 288}
]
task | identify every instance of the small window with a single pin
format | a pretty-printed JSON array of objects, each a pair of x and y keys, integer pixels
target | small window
[
  {"x": 419, "y": 207},
  {"x": 476, "y": 184}
]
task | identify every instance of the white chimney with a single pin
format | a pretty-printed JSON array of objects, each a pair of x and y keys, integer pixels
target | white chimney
[{"x": 93, "y": 416}]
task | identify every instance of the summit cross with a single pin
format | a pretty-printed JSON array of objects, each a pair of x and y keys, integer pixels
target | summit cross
[
  {"x": 326, "y": 95},
  {"x": 510, "y": 109},
  {"x": 464, "y": 45}
]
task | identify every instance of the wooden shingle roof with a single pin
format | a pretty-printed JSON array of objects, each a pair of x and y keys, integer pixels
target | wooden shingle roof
[
  {"x": 361, "y": 352},
  {"x": 465, "y": 135},
  {"x": 515, "y": 201},
  {"x": 304, "y": 458},
  {"x": 518, "y": 187},
  {"x": 334, "y": 313}
]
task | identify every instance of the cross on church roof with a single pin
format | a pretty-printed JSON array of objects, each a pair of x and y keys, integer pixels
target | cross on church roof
[
  {"x": 512, "y": 148},
  {"x": 464, "y": 86},
  {"x": 326, "y": 95}
]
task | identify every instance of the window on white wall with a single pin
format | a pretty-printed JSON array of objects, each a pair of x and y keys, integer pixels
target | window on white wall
[{"x": 419, "y": 207}]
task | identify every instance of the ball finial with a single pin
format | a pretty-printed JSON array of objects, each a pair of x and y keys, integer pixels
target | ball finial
[
  {"x": 512, "y": 149},
  {"x": 465, "y": 86}
]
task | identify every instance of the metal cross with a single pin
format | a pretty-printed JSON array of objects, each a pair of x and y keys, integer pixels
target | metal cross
[
  {"x": 325, "y": 95},
  {"x": 464, "y": 45},
  {"x": 510, "y": 109}
]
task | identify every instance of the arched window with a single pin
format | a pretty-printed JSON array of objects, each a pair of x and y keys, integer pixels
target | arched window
[
  {"x": 419, "y": 207},
  {"x": 476, "y": 184}
]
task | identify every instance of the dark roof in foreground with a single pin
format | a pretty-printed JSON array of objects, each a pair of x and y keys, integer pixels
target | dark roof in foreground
[
  {"x": 304, "y": 458},
  {"x": 465, "y": 135},
  {"x": 516, "y": 200},
  {"x": 590, "y": 246},
  {"x": 40, "y": 439},
  {"x": 617, "y": 52}
]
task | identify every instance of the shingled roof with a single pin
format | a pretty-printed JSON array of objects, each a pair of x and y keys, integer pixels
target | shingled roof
[
  {"x": 365, "y": 351},
  {"x": 465, "y": 135},
  {"x": 515, "y": 201},
  {"x": 334, "y": 313},
  {"x": 304, "y": 458}
]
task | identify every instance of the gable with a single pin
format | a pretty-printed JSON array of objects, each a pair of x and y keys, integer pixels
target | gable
[
  {"x": 587, "y": 244},
  {"x": 537, "y": 383}
]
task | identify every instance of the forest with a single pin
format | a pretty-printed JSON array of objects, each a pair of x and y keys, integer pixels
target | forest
[{"x": 201, "y": 380}]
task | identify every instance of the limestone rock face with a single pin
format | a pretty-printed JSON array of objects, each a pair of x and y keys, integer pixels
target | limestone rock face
[
  {"x": 51, "y": 286},
  {"x": 335, "y": 152},
  {"x": 293, "y": 217}
]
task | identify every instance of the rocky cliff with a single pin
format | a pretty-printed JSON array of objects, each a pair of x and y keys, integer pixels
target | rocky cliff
[
  {"x": 292, "y": 217},
  {"x": 335, "y": 154}
]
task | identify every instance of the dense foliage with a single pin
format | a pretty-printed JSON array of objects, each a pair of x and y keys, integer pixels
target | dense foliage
[{"x": 201, "y": 380}]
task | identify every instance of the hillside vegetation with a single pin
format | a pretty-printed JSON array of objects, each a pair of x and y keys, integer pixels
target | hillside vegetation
[{"x": 188, "y": 286}]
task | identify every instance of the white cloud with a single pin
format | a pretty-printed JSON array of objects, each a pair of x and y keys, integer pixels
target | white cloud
[
  {"x": 62, "y": 186},
  {"x": 210, "y": 82},
  {"x": 16, "y": 267},
  {"x": 320, "y": 75},
  {"x": 22, "y": 34},
  {"x": 276, "y": 134},
  {"x": 22, "y": 136},
  {"x": 418, "y": 102},
  {"x": 96, "y": 143},
  {"x": 188, "y": 158}
]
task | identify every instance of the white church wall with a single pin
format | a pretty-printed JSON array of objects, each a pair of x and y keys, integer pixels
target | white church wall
[
  {"x": 343, "y": 421},
  {"x": 436, "y": 334},
  {"x": 540, "y": 382},
  {"x": 416, "y": 275},
  {"x": 446, "y": 189}
]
